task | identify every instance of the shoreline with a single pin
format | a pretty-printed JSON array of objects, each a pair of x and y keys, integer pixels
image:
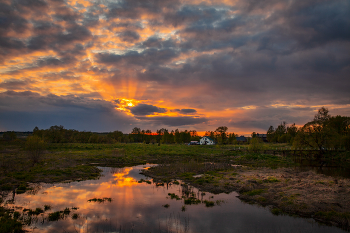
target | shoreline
[{"x": 284, "y": 190}]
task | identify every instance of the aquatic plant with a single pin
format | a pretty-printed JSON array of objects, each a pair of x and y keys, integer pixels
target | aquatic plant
[
  {"x": 37, "y": 211},
  {"x": 209, "y": 203},
  {"x": 55, "y": 216},
  {"x": 192, "y": 200},
  {"x": 144, "y": 181},
  {"x": 174, "y": 196},
  {"x": 100, "y": 200},
  {"x": 66, "y": 211},
  {"x": 276, "y": 211}
]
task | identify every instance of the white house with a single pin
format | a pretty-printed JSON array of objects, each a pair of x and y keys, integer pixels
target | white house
[{"x": 206, "y": 141}]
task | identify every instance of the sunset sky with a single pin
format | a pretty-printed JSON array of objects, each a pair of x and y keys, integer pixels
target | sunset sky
[{"x": 108, "y": 65}]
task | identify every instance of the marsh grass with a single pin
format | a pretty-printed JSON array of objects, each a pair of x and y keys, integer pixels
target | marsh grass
[{"x": 254, "y": 192}]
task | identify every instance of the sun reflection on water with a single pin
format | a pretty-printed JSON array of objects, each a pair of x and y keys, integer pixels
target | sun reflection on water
[{"x": 117, "y": 202}]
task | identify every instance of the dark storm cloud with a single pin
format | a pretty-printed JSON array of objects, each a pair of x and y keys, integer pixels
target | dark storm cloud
[
  {"x": 304, "y": 26},
  {"x": 10, "y": 19},
  {"x": 45, "y": 34},
  {"x": 133, "y": 9},
  {"x": 63, "y": 75},
  {"x": 51, "y": 100},
  {"x": 30, "y": 4},
  {"x": 146, "y": 109},
  {"x": 148, "y": 56},
  {"x": 156, "y": 42},
  {"x": 186, "y": 111},
  {"x": 129, "y": 25},
  {"x": 173, "y": 121},
  {"x": 129, "y": 36},
  {"x": 195, "y": 16},
  {"x": 50, "y": 61},
  {"x": 25, "y": 110},
  {"x": 263, "y": 117},
  {"x": 15, "y": 84},
  {"x": 307, "y": 25},
  {"x": 9, "y": 43},
  {"x": 43, "y": 27}
]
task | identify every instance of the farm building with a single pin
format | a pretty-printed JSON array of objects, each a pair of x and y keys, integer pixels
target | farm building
[
  {"x": 193, "y": 143},
  {"x": 206, "y": 141},
  {"x": 263, "y": 137},
  {"x": 241, "y": 139}
]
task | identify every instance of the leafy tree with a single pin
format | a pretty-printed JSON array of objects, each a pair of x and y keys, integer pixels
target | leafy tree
[
  {"x": 221, "y": 133},
  {"x": 291, "y": 133},
  {"x": 280, "y": 131},
  {"x": 54, "y": 134},
  {"x": 116, "y": 135},
  {"x": 210, "y": 134},
  {"x": 270, "y": 134},
  {"x": 177, "y": 136},
  {"x": 185, "y": 136},
  {"x": 319, "y": 133},
  {"x": 166, "y": 136},
  {"x": 232, "y": 138},
  {"x": 136, "y": 130}
]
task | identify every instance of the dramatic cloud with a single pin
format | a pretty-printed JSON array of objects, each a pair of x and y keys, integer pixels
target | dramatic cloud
[
  {"x": 186, "y": 111},
  {"x": 168, "y": 63},
  {"x": 174, "y": 121},
  {"x": 146, "y": 109}
]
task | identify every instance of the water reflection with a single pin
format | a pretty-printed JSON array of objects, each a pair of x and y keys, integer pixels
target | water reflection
[{"x": 129, "y": 206}]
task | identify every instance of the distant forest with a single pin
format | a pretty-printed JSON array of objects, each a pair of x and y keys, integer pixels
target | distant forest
[{"x": 323, "y": 131}]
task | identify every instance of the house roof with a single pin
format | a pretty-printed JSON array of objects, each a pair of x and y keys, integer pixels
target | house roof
[
  {"x": 241, "y": 138},
  {"x": 208, "y": 138}
]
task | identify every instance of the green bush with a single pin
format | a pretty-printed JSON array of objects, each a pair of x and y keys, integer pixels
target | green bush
[
  {"x": 35, "y": 147},
  {"x": 255, "y": 144}
]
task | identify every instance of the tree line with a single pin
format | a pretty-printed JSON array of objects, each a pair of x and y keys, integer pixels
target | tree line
[
  {"x": 324, "y": 131},
  {"x": 58, "y": 134}
]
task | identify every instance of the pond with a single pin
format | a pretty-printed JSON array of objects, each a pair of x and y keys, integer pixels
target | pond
[{"x": 117, "y": 202}]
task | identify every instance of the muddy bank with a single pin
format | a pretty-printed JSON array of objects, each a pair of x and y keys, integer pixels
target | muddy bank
[{"x": 283, "y": 190}]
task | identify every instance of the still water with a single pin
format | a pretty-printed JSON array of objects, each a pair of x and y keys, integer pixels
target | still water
[{"x": 117, "y": 202}]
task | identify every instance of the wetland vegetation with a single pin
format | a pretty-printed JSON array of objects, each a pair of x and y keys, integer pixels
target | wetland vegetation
[{"x": 264, "y": 179}]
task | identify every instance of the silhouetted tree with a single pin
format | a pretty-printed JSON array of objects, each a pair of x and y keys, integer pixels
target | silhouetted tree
[
  {"x": 35, "y": 147},
  {"x": 221, "y": 134}
]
